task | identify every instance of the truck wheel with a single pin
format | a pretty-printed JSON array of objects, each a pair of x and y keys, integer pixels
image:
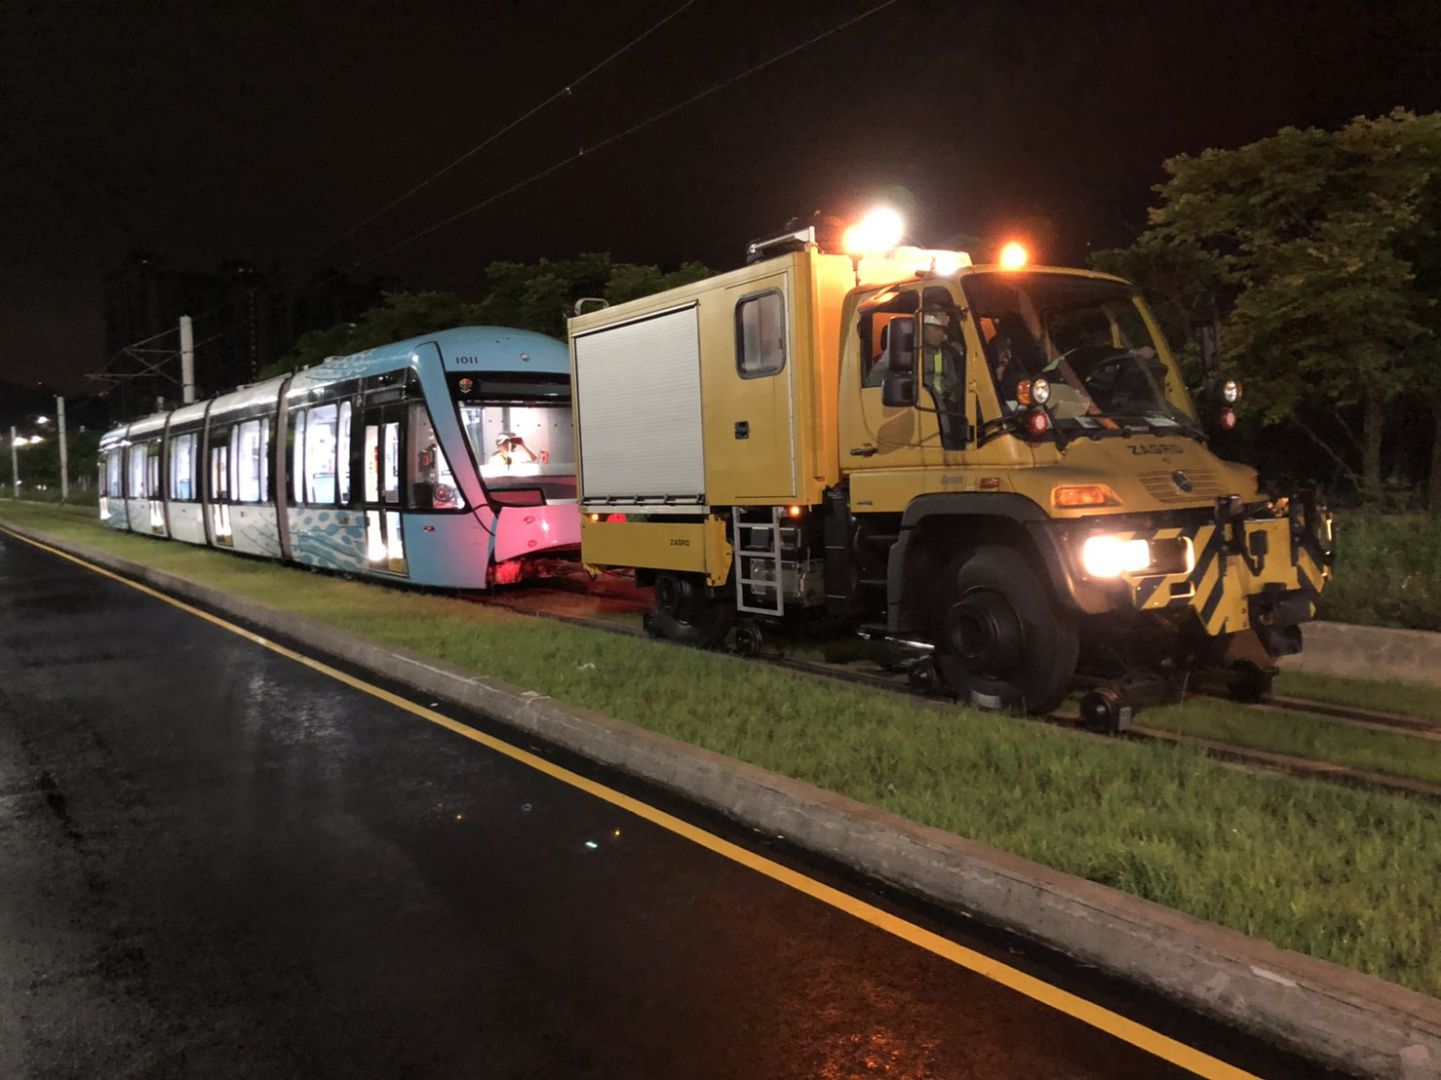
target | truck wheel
[
  {"x": 1001, "y": 642},
  {"x": 686, "y": 613}
]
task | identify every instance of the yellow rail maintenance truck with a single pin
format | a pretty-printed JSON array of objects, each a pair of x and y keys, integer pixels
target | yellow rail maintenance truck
[{"x": 998, "y": 465}]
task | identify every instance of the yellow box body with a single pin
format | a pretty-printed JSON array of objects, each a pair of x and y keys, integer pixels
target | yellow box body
[{"x": 659, "y": 544}]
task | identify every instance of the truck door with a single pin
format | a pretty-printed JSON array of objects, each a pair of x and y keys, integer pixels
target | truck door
[
  {"x": 754, "y": 410},
  {"x": 874, "y": 435}
]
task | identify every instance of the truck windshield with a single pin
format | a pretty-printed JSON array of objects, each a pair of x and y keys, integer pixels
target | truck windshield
[
  {"x": 519, "y": 430},
  {"x": 1087, "y": 338}
]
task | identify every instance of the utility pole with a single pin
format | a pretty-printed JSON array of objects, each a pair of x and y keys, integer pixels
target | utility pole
[
  {"x": 14, "y": 463},
  {"x": 64, "y": 457},
  {"x": 187, "y": 361}
]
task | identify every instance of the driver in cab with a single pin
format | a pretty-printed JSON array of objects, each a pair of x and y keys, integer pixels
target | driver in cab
[{"x": 942, "y": 360}]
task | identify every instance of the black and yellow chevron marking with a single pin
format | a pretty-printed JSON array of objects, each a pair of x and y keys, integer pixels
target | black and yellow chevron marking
[{"x": 1218, "y": 586}]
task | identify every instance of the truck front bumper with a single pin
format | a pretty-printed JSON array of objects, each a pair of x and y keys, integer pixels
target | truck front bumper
[{"x": 1232, "y": 570}]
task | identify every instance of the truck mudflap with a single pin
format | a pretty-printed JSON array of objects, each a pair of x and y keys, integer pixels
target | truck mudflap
[{"x": 1243, "y": 572}]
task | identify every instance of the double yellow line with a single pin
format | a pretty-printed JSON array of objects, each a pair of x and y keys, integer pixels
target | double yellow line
[{"x": 1112, "y": 1023}]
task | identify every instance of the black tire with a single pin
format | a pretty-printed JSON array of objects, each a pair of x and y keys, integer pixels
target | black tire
[
  {"x": 685, "y": 611},
  {"x": 1001, "y": 641}
]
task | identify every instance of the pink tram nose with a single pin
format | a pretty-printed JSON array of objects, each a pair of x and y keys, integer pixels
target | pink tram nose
[{"x": 532, "y": 530}]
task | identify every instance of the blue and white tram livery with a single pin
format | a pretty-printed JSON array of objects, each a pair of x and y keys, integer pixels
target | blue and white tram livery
[{"x": 446, "y": 460}]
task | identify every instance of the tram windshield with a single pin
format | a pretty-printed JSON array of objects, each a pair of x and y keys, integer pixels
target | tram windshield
[{"x": 520, "y": 432}]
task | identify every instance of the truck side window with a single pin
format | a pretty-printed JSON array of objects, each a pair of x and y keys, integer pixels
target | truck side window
[
  {"x": 760, "y": 334},
  {"x": 873, "y": 326}
]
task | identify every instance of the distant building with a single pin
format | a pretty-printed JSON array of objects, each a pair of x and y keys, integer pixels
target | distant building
[{"x": 244, "y": 320}]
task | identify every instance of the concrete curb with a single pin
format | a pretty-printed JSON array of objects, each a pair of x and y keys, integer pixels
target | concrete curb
[
  {"x": 1368, "y": 652},
  {"x": 1354, "y": 1021}
]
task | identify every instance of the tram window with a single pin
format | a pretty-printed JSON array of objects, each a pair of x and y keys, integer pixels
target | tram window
[
  {"x": 220, "y": 467},
  {"x": 320, "y": 455},
  {"x": 137, "y": 472},
  {"x": 760, "y": 335},
  {"x": 342, "y": 441},
  {"x": 297, "y": 457},
  {"x": 432, "y": 484},
  {"x": 114, "y": 474},
  {"x": 152, "y": 469},
  {"x": 182, "y": 467},
  {"x": 522, "y": 447},
  {"x": 371, "y": 463},
  {"x": 248, "y": 442},
  {"x": 390, "y": 473},
  {"x": 267, "y": 489}
]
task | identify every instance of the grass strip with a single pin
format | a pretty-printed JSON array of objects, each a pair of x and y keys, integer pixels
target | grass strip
[
  {"x": 1301, "y": 734},
  {"x": 1409, "y": 699},
  {"x": 1341, "y": 874}
]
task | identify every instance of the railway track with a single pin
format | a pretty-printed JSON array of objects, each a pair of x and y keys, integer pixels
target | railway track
[
  {"x": 1242, "y": 757},
  {"x": 1354, "y": 716}
]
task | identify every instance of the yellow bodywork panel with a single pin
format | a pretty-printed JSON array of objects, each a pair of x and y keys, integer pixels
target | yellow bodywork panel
[{"x": 659, "y": 544}]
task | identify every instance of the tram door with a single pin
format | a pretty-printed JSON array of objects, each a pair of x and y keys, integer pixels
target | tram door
[
  {"x": 220, "y": 533},
  {"x": 383, "y": 469}
]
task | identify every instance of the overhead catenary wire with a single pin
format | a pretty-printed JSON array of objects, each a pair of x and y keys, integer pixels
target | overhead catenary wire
[
  {"x": 639, "y": 126},
  {"x": 564, "y": 91},
  {"x": 584, "y": 151}
]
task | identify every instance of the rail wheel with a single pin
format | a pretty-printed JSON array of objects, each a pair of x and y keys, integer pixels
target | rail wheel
[
  {"x": 685, "y": 612},
  {"x": 1001, "y": 642},
  {"x": 1249, "y": 682},
  {"x": 749, "y": 639}
]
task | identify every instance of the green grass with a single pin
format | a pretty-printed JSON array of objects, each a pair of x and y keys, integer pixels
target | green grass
[
  {"x": 1412, "y": 699},
  {"x": 1388, "y": 571},
  {"x": 1345, "y": 875},
  {"x": 1301, "y": 735},
  {"x": 82, "y": 504}
]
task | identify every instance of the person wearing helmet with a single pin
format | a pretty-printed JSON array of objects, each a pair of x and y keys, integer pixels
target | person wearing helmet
[
  {"x": 509, "y": 447},
  {"x": 943, "y": 365}
]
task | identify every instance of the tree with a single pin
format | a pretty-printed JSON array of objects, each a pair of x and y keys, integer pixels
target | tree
[
  {"x": 539, "y": 296},
  {"x": 529, "y": 296},
  {"x": 402, "y": 315},
  {"x": 1306, "y": 244}
]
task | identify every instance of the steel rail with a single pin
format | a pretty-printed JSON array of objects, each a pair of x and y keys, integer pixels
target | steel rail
[{"x": 1241, "y": 757}]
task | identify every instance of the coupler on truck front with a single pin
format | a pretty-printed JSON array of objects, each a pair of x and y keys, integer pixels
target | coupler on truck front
[{"x": 1250, "y": 578}]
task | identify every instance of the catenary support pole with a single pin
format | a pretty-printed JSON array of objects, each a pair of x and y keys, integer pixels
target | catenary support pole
[
  {"x": 187, "y": 361},
  {"x": 64, "y": 451}
]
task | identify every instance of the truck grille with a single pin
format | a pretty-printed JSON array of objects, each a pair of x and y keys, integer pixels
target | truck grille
[{"x": 1161, "y": 486}]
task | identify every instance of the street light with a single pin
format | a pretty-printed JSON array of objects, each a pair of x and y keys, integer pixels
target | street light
[{"x": 16, "y": 442}]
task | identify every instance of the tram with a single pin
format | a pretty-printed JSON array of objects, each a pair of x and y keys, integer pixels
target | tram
[{"x": 445, "y": 460}]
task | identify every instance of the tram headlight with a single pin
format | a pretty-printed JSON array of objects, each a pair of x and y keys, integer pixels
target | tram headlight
[{"x": 1105, "y": 556}]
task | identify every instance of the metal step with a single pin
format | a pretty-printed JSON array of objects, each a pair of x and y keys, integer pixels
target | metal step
[{"x": 758, "y": 553}]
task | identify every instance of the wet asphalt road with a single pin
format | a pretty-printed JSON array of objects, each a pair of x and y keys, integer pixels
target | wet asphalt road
[{"x": 218, "y": 862}]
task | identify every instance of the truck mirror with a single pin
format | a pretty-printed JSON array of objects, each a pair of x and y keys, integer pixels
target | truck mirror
[
  {"x": 901, "y": 345},
  {"x": 899, "y": 389}
]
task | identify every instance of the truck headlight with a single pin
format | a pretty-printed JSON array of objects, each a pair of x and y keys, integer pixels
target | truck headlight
[{"x": 1107, "y": 556}]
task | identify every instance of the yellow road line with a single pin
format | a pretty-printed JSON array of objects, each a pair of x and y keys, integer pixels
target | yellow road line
[{"x": 1112, "y": 1023}]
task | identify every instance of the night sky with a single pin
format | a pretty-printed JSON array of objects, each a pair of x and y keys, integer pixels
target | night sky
[{"x": 210, "y": 130}]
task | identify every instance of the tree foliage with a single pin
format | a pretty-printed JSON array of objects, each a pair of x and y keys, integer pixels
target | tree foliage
[
  {"x": 529, "y": 296},
  {"x": 1313, "y": 252}
]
